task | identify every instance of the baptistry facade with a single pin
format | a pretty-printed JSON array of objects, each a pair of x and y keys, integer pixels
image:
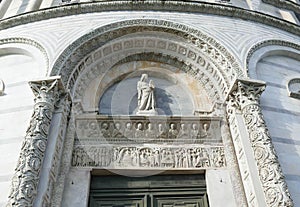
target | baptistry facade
[{"x": 149, "y": 103}]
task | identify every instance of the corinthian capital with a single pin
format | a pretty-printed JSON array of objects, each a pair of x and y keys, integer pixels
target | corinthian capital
[
  {"x": 246, "y": 92},
  {"x": 47, "y": 90}
]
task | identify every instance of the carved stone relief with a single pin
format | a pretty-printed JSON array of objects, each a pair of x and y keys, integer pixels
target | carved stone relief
[
  {"x": 137, "y": 129},
  {"x": 115, "y": 157},
  {"x": 246, "y": 98},
  {"x": 210, "y": 48},
  {"x": 27, "y": 173},
  {"x": 201, "y": 68},
  {"x": 103, "y": 142}
]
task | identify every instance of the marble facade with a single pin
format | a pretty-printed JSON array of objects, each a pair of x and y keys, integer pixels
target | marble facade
[{"x": 227, "y": 98}]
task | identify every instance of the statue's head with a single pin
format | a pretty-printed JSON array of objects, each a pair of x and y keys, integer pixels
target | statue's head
[
  {"x": 144, "y": 77},
  {"x": 128, "y": 125}
]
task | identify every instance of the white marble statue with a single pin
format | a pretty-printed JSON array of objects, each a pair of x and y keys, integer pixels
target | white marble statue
[{"x": 146, "y": 100}]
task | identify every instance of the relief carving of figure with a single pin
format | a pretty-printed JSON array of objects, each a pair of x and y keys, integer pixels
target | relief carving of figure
[
  {"x": 173, "y": 132},
  {"x": 126, "y": 157},
  {"x": 156, "y": 158},
  {"x": 128, "y": 130},
  {"x": 145, "y": 156},
  {"x": 161, "y": 131},
  {"x": 167, "y": 159},
  {"x": 150, "y": 132},
  {"x": 146, "y": 100},
  {"x": 105, "y": 130},
  {"x": 183, "y": 133},
  {"x": 139, "y": 133},
  {"x": 218, "y": 157},
  {"x": 194, "y": 131},
  {"x": 93, "y": 132},
  {"x": 117, "y": 131},
  {"x": 205, "y": 132}
]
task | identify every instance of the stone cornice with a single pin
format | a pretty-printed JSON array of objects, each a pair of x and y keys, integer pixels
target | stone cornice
[
  {"x": 284, "y": 4},
  {"x": 176, "y": 6}
]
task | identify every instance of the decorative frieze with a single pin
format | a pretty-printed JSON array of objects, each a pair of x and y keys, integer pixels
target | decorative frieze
[
  {"x": 140, "y": 129},
  {"x": 245, "y": 97},
  {"x": 27, "y": 173},
  {"x": 150, "y": 156},
  {"x": 148, "y": 142}
]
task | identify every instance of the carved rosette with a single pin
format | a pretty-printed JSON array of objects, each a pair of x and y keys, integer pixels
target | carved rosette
[
  {"x": 27, "y": 173},
  {"x": 245, "y": 97}
]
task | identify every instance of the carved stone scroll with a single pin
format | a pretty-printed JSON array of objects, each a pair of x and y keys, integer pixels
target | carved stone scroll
[
  {"x": 245, "y": 97},
  {"x": 27, "y": 173}
]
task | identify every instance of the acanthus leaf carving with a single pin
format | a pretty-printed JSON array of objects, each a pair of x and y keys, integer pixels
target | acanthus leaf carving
[
  {"x": 27, "y": 173},
  {"x": 245, "y": 97}
]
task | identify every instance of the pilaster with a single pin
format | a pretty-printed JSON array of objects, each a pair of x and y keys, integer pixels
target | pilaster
[
  {"x": 28, "y": 171},
  {"x": 243, "y": 104}
]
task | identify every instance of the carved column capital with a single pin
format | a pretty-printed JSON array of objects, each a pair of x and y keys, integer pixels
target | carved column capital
[
  {"x": 245, "y": 92},
  {"x": 27, "y": 173},
  {"x": 244, "y": 96}
]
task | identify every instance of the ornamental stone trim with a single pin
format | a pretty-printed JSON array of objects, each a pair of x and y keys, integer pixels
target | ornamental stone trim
[
  {"x": 178, "y": 6},
  {"x": 245, "y": 97},
  {"x": 117, "y": 142},
  {"x": 27, "y": 42},
  {"x": 268, "y": 43},
  {"x": 149, "y": 157},
  {"x": 152, "y": 129},
  {"x": 27, "y": 173},
  {"x": 205, "y": 72},
  {"x": 85, "y": 45},
  {"x": 284, "y": 4},
  {"x": 64, "y": 163}
]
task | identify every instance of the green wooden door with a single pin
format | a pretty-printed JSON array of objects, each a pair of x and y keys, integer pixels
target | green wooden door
[{"x": 153, "y": 191}]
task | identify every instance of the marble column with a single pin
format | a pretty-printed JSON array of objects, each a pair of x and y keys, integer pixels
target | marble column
[
  {"x": 27, "y": 173},
  {"x": 244, "y": 97}
]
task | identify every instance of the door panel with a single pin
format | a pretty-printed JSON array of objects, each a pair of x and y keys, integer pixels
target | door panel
[
  {"x": 153, "y": 191},
  {"x": 118, "y": 201}
]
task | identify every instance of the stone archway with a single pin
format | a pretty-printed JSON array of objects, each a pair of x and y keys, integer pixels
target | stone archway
[
  {"x": 202, "y": 57},
  {"x": 192, "y": 52}
]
